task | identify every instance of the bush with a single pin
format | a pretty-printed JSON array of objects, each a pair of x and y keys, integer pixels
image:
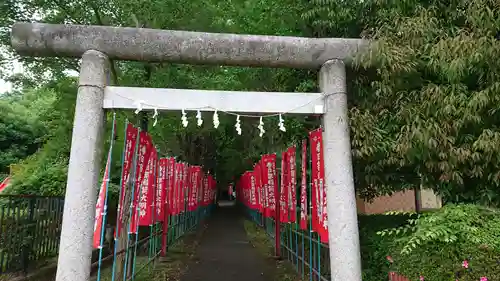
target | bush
[
  {"x": 375, "y": 248},
  {"x": 457, "y": 242}
]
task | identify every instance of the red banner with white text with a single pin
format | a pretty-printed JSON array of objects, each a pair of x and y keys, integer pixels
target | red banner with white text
[
  {"x": 265, "y": 186},
  {"x": 161, "y": 189},
  {"x": 126, "y": 182},
  {"x": 320, "y": 214},
  {"x": 195, "y": 186},
  {"x": 292, "y": 184},
  {"x": 254, "y": 191},
  {"x": 303, "y": 188},
  {"x": 271, "y": 183},
  {"x": 148, "y": 192},
  {"x": 170, "y": 185},
  {"x": 143, "y": 155},
  {"x": 283, "y": 189},
  {"x": 206, "y": 190},
  {"x": 185, "y": 187},
  {"x": 260, "y": 189},
  {"x": 179, "y": 167}
]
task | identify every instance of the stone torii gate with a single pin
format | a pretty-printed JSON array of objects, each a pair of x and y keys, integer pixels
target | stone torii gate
[{"x": 97, "y": 44}]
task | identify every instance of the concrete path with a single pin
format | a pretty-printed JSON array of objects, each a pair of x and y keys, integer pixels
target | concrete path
[{"x": 225, "y": 253}]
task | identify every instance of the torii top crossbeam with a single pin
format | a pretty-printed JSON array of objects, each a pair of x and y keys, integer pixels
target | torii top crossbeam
[{"x": 143, "y": 44}]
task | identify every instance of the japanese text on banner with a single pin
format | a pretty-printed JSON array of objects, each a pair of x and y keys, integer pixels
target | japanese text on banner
[
  {"x": 284, "y": 189},
  {"x": 319, "y": 188},
  {"x": 303, "y": 188},
  {"x": 292, "y": 184},
  {"x": 145, "y": 147},
  {"x": 126, "y": 182}
]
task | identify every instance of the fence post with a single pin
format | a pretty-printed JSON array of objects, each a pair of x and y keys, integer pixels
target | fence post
[
  {"x": 277, "y": 230},
  {"x": 27, "y": 244},
  {"x": 164, "y": 232}
]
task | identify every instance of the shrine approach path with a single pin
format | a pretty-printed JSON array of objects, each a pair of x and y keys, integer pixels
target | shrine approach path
[{"x": 225, "y": 253}]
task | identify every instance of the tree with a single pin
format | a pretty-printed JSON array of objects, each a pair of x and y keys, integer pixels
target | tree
[
  {"x": 21, "y": 125},
  {"x": 424, "y": 103}
]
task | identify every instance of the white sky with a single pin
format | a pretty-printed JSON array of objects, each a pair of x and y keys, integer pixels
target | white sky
[
  {"x": 5, "y": 86},
  {"x": 17, "y": 67}
]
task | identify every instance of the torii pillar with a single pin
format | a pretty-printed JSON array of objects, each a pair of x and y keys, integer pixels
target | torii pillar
[{"x": 94, "y": 44}]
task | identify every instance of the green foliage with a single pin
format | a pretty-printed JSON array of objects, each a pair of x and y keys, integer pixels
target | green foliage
[
  {"x": 375, "y": 248},
  {"x": 22, "y": 129},
  {"x": 424, "y": 98},
  {"x": 435, "y": 244},
  {"x": 44, "y": 172}
]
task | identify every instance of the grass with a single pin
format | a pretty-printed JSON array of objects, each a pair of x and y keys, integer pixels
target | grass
[{"x": 283, "y": 270}]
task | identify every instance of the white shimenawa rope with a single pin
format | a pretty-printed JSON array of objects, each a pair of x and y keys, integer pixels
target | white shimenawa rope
[{"x": 281, "y": 125}]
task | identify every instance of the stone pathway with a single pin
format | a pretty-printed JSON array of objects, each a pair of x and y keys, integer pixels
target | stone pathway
[{"x": 225, "y": 253}]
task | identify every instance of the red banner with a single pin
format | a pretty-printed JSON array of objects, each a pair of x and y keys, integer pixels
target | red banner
[
  {"x": 195, "y": 186},
  {"x": 191, "y": 183},
  {"x": 201, "y": 189},
  {"x": 4, "y": 183},
  {"x": 177, "y": 187},
  {"x": 303, "y": 188},
  {"x": 180, "y": 193},
  {"x": 257, "y": 190},
  {"x": 292, "y": 184},
  {"x": 161, "y": 189},
  {"x": 100, "y": 207},
  {"x": 206, "y": 190},
  {"x": 254, "y": 190},
  {"x": 271, "y": 183},
  {"x": 185, "y": 187},
  {"x": 320, "y": 214},
  {"x": 260, "y": 190},
  {"x": 129, "y": 147},
  {"x": 283, "y": 189},
  {"x": 147, "y": 198},
  {"x": 145, "y": 147},
  {"x": 245, "y": 189},
  {"x": 248, "y": 189},
  {"x": 265, "y": 186},
  {"x": 170, "y": 185}
]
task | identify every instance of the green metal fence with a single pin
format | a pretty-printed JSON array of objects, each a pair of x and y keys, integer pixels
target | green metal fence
[
  {"x": 178, "y": 226},
  {"x": 30, "y": 228},
  {"x": 302, "y": 248}
]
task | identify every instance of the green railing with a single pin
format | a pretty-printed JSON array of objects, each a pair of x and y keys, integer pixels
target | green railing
[
  {"x": 141, "y": 256},
  {"x": 301, "y": 248},
  {"x": 30, "y": 228}
]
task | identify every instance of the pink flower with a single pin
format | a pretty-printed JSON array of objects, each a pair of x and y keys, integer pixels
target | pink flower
[
  {"x": 389, "y": 258},
  {"x": 465, "y": 264},
  {"x": 483, "y": 279},
  {"x": 422, "y": 278}
]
